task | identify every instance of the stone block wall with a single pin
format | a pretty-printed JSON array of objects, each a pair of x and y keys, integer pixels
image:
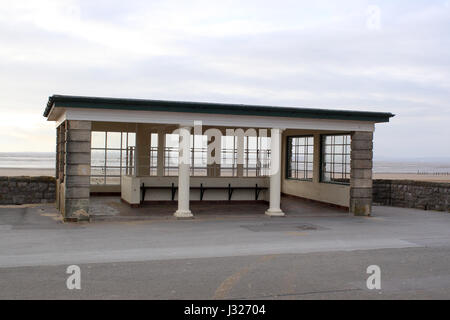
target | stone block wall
[
  {"x": 361, "y": 173},
  {"x": 412, "y": 194},
  {"x": 25, "y": 190},
  {"x": 77, "y": 170}
]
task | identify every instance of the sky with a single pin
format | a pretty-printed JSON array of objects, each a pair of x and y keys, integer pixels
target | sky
[{"x": 391, "y": 56}]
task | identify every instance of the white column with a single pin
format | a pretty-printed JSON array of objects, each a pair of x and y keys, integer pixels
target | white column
[
  {"x": 275, "y": 173},
  {"x": 183, "y": 173}
]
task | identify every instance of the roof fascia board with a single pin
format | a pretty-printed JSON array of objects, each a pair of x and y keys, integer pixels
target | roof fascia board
[{"x": 218, "y": 120}]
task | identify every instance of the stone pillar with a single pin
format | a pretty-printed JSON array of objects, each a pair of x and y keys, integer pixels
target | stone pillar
[
  {"x": 361, "y": 173},
  {"x": 60, "y": 158},
  {"x": 142, "y": 153},
  {"x": 58, "y": 137},
  {"x": 275, "y": 173},
  {"x": 184, "y": 161},
  {"x": 77, "y": 170}
]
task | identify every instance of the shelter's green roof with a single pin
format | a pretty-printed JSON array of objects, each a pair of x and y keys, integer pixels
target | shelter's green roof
[{"x": 212, "y": 108}]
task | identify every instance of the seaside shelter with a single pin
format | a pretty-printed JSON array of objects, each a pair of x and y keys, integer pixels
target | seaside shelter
[{"x": 152, "y": 151}]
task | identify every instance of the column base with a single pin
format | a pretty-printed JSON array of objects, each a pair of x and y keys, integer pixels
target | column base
[
  {"x": 275, "y": 213},
  {"x": 183, "y": 214}
]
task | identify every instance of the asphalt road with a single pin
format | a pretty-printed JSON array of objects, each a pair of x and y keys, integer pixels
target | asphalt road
[{"x": 307, "y": 257}]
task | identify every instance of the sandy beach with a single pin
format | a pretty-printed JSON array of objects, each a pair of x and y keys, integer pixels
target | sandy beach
[
  {"x": 412, "y": 176},
  {"x": 33, "y": 172},
  {"x": 396, "y": 176}
]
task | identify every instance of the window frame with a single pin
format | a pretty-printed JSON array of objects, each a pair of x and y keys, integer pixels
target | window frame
[
  {"x": 287, "y": 160},
  {"x": 123, "y": 162},
  {"x": 321, "y": 164}
]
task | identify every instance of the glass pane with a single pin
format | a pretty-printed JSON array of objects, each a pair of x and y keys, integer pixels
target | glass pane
[
  {"x": 97, "y": 180},
  {"x": 154, "y": 140},
  {"x": 112, "y": 180},
  {"x": 97, "y": 157},
  {"x": 172, "y": 140},
  {"x": 264, "y": 143},
  {"x": 97, "y": 171},
  {"x": 200, "y": 141},
  {"x": 113, "y": 158},
  {"x": 252, "y": 143},
  {"x": 338, "y": 149},
  {"x": 114, "y": 140},
  {"x": 98, "y": 139},
  {"x": 113, "y": 171},
  {"x": 124, "y": 139},
  {"x": 131, "y": 139}
]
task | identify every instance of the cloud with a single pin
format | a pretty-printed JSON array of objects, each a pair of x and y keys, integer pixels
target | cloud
[{"x": 291, "y": 53}]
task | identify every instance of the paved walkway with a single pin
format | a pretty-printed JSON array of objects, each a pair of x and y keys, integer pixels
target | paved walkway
[
  {"x": 317, "y": 252},
  {"x": 33, "y": 235}
]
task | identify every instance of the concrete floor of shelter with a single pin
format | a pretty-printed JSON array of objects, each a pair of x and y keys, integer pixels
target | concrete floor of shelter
[{"x": 110, "y": 208}]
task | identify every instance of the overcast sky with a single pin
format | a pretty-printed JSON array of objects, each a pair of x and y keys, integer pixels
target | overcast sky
[{"x": 361, "y": 55}]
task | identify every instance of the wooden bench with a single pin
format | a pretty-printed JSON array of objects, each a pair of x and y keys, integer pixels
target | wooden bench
[{"x": 202, "y": 189}]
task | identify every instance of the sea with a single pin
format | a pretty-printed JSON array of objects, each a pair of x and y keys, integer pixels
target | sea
[{"x": 46, "y": 160}]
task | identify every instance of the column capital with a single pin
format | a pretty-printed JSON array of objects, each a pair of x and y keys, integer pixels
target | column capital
[{"x": 277, "y": 130}]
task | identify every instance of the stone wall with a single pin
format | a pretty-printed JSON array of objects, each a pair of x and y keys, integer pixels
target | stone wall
[
  {"x": 412, "y": 194},
  {"x": 76, "y": 187},
  {"x": 361, "y": 173},
  {"x": 24, "y": 190}
]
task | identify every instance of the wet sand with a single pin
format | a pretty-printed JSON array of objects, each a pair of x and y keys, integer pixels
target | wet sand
[
  {"x": 412, "y": 176},
  {"x": 33, "y": 172}
]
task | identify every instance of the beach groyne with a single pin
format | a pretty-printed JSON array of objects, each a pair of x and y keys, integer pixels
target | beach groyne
[
  {"x": 412, "y": 194},
  {"x": 26, "y": 190}
]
